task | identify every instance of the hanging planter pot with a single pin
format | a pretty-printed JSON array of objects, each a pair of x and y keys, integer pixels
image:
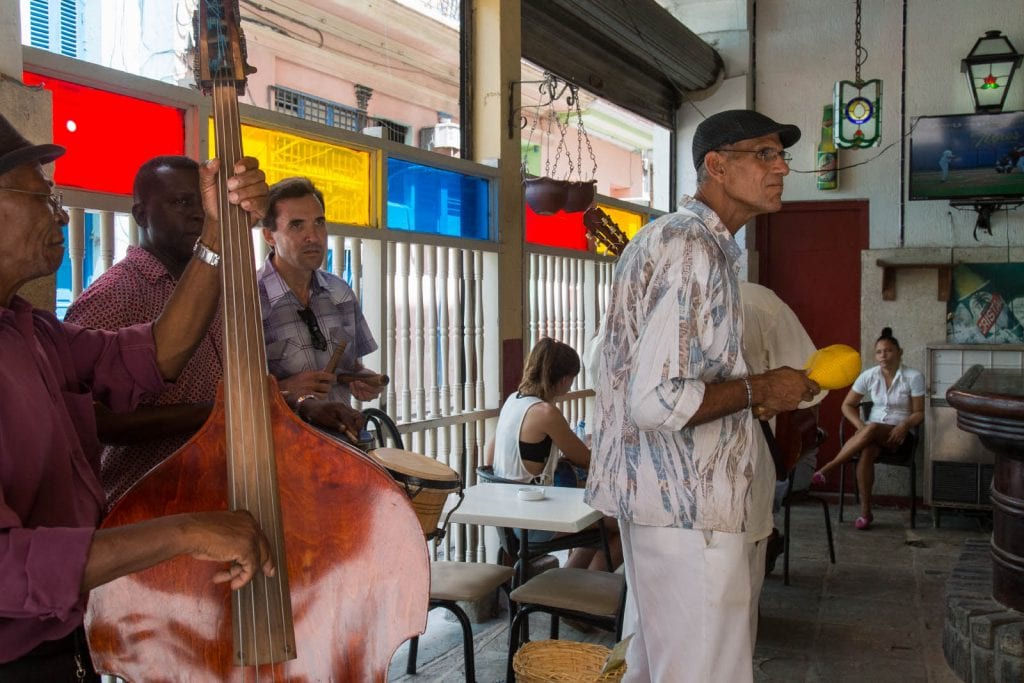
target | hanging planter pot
[
  {"x": 580, "y": 195},
  {"x": 546, "y": 195}
]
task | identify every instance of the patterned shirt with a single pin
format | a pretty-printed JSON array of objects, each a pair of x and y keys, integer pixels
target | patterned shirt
[
  {"x": 134, "y": 290},
  {"x": 290, "y": 347},
  {"x": 673, "y": 324}
]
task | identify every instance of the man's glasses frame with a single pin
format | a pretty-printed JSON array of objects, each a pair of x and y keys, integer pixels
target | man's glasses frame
[
  {"x": 316, "y": 336},
  {"x": 56, "y": 199},
  {"x": 765, "y": 154}
]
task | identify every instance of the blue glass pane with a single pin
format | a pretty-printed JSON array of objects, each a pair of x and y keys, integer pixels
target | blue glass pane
[{"x": 425, "y": 199}]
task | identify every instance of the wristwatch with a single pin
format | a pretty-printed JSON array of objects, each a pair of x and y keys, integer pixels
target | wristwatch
[{"x": 205, "y": 254}]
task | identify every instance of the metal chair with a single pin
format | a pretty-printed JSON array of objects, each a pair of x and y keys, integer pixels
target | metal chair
[
  {"x": 903, "y": 456},
  {"x": 800, "y": 496},
  {"x": 454, "y": 582},
  {"x": 382, "y": 428},
  {"x": 592, "y": 597},
  {"x": 592, "y": 538}
]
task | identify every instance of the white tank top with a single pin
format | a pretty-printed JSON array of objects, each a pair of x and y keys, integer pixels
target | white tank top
[{"x": 507, "y": 462}]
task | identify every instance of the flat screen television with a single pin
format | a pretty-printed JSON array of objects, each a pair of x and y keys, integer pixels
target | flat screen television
[{"x": 967, "y": 156}]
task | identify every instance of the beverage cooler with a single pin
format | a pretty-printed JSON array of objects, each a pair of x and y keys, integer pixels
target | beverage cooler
[{"x": 958, "y": 468}]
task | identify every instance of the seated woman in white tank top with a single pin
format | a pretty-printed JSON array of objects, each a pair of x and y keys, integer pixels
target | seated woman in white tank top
[{"x": 532, "y": 431}]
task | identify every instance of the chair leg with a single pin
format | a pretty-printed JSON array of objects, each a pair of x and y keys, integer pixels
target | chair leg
[
  {"x": 467, "y": 638},
  {"x": 785, "y": 545},
  {"x": 913, "y": 494},
  {"x": 414, "y": 645},
  {"x": 828, "y": 531},
  {"x": 515, "y": 640},
  {"x": 554, "y": 627},
  {"x": 842, "y": 489}
]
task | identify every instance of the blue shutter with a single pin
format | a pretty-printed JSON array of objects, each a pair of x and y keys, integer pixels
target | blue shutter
[
  {"x": 69, "y": 28},
  {"x": 39, "y": 24}
]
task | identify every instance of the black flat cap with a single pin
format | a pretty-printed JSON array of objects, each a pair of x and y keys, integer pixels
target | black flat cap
[
  {"x": 16, "y": 151},
  {"x": 727, "y": 127}
]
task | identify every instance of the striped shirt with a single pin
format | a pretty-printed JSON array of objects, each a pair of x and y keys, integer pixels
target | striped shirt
[
  {"x": 290, "y": 347},
  {"x": 673, "y": 325}
]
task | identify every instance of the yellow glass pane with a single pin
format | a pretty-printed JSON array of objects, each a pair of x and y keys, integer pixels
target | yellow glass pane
[
  {"x": 628, "y": 221},
  {"x": 341, "y": 173}
]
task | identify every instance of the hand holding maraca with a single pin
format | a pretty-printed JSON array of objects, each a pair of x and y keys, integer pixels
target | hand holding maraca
[{"x": 780, "y": 390}]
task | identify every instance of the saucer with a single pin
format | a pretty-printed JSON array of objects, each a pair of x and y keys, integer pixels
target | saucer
[{"x": 530, "y": 493}]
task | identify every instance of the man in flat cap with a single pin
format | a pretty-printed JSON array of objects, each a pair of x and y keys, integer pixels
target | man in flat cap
[
  {"x": 674, "y": 456},
  {"x": 51, "y": 501}
]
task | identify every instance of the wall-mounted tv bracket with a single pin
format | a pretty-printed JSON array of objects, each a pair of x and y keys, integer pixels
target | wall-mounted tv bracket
[{"x": 985, "y": 207}]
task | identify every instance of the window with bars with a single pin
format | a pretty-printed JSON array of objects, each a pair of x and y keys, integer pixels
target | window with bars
[{"x": 334, "y": 114}]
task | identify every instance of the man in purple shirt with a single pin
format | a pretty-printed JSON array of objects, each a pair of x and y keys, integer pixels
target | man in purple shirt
[{"x": 51, "y": 502}]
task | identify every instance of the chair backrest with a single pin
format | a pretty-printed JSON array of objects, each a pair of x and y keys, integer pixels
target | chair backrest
[
  {"x": 486, "y": 473},
  {"x": 383, "y": 429}
]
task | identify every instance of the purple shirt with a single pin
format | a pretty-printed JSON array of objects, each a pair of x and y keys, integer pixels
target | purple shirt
[{"x": 51, "y": 500}]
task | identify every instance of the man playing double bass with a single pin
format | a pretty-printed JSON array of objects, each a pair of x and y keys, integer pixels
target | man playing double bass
[
  {"x": 51, "y": 501},
  {"x": 168, "y": 209}
]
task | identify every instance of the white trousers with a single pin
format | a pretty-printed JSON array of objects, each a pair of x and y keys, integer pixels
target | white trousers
[{"x": 691, "y": 604}]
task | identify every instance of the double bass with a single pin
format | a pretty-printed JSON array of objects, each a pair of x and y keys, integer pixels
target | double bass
[{"x": 352, "y": 580}]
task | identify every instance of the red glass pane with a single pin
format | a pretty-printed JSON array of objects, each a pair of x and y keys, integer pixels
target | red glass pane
[
  {"x": 560, "y": 229},
  {"x": 108, "y": 136}
]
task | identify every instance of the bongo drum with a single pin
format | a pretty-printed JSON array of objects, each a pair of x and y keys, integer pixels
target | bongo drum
[{"x": 427, "y": 482}]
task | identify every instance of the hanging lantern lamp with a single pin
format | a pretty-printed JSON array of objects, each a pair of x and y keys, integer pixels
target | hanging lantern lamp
[
  {"x": 989, "y": 69},
  {"x": 857, "y": 104}
]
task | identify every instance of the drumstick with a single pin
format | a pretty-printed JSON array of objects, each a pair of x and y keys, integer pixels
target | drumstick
[
  {"x": 373, "y": 380},
  {"x": 336, "y": 356}
]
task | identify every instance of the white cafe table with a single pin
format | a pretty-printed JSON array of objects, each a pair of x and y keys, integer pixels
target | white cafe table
[{"x": 561, "y": 510}]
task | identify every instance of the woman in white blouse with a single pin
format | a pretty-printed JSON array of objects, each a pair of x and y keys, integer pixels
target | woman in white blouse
[
  {"x": 897, "y": 396},
  {"x": 532, "y": 434}
]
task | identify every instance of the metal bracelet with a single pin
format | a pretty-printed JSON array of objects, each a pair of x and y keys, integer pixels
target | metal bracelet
[{"x": 750, "y": 393}]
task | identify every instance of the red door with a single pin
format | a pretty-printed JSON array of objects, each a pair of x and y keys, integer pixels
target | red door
[{"x": 809, "y": 254}]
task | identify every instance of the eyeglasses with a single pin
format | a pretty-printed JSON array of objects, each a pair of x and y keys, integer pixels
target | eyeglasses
[
  {"x": 56, "y": 199},
  {"x": 315, "y": 335},
  {"x": 767, "y": 154}
]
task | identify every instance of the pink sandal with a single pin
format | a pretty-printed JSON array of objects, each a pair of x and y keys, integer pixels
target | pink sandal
[
  {"x": 818, "y": 478},
  {"x": 863, "y": 523}
]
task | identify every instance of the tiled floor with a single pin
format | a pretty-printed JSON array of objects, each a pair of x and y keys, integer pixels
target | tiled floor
[{"x": 874, "y": 616}]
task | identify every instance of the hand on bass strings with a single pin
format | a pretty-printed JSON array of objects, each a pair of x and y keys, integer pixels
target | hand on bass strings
[
  {"x": 246, "y": 188},
  {"x": 781, "y": 390},
  {"x": 230, "y": 536},
  {"x": 221, "y": 536}
]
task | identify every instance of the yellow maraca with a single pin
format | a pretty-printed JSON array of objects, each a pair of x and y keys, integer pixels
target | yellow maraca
[{"x": 834, "y": 367}]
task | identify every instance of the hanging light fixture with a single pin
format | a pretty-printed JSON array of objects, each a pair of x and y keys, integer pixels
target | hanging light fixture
[
  {"x": 857, "y": 104},
  {"x": 989, "y": 69}
]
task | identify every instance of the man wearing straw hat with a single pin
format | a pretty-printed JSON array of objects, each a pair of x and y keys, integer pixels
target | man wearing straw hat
[
  {"x": 674, "y": 456},
  {"x": 51, "y": 501}
]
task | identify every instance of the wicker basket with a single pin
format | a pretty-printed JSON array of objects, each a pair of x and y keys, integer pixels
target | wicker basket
[{"x": 563, "y": 661}]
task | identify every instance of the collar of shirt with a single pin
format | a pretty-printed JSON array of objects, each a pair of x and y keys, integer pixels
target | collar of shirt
[
  {"x": 146, "y": 264},
  {"x": 277, "y": 289},
  {"x": 707, "y": 216}
]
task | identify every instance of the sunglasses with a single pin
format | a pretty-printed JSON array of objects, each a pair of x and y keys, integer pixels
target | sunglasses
[{"x": 315, "y": 335}]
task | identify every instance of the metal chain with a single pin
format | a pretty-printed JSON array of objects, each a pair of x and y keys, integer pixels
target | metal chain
[
  {"x": 860, "y": 54},
  {"x": 583, "y": 136}
]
